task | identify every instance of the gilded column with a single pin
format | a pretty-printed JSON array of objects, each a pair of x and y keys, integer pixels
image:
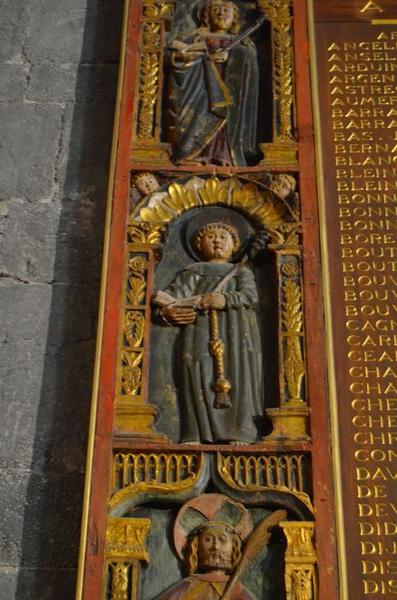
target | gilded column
[
  {"x": 300, "y": 561},
  {"x": 133, "y": 415},
  {"x": 124, "y": 551},
  {"x": 283, "y": 149},
  {"x": 147, "y": 146}
]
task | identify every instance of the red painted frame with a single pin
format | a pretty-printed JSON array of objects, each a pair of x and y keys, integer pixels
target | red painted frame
[{"x": 98, "y": 488}]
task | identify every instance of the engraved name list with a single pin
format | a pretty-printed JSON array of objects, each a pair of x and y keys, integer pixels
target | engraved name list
[{"x": 359, "y": 132}]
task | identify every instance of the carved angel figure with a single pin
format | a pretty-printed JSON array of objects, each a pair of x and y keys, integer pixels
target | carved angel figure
[{"x": 213, "y": 90}]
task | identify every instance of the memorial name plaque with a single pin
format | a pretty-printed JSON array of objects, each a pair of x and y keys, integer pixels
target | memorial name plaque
[{"x": 356, "y": 48}]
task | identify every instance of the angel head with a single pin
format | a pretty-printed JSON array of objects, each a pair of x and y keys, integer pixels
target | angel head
[
  {"x": 283, "y": 185},
  {"x": 146, "y": 183},
  {"x": 217, "y": 242},
  {"x": 214, "y": 546}
]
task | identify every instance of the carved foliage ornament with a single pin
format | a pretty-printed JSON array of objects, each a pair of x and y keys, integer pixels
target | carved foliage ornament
[
  {"x": 292, "y": 319},
  {"x": 279, "y": 13},
  {"x": 151, "y": 63}
]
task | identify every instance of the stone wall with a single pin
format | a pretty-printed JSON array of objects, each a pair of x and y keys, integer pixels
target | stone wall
[{"x": 58, "y": 71}]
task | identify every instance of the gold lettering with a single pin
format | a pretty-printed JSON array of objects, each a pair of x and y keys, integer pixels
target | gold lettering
[{"x": 371, "y": 6}]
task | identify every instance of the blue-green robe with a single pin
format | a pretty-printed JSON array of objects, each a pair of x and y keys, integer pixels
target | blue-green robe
[
  {"x": 238, "y": 329},
  {"x": 205, "y": 99}
]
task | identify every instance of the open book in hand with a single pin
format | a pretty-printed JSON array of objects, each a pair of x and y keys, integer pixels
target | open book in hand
[{"x": 163, "y": 299}]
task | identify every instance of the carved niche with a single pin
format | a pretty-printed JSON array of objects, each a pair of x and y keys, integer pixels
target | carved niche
[{"x": 196, "y": 95}]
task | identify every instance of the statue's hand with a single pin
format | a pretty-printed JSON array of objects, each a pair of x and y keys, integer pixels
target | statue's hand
[
  {"x": 189, "y": 55},
  {"x": 213, "y": 300},
  {"x": 179, "y": 316},
  {"x": 219, "y": 57}
]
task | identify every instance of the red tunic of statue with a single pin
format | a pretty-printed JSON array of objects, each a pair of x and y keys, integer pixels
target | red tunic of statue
[{"x": 208, "y": 586}]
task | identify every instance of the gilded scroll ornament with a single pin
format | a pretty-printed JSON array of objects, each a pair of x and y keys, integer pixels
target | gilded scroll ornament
[
  {"x": 300, "y": 559},
  {"x": 134, "y": 328},
  {"x": 281, "y": 473},
  {"x": 283, "y": 78},
  {"x": 131, "y": 373},
  {"x": 125, "y": 547},
  {"x": 148, "y": 92},
  {"x": 276, "y": 9},
  {"x": 157, "y": 9},
  {"x": 255, "y": 472},
  {"x": 135, "y": 474},
  {"x": 131, "y": 413},
  {"x": 290, "y": 420}
]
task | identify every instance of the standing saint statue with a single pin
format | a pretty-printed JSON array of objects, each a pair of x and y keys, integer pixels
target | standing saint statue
[
  {"x": 218, "y": 360},
  {"x": 213, "y": 90}
]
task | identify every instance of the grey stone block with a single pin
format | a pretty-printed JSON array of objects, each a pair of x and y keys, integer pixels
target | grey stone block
[
  {"x": 29, "y": 137},
  {"x": 33, "y": 226},
  {"x": 57, "y": 90},
  {"x": 83, "y": 165},
  {"x": 89, "y": 84},
  {"x": 37, "y": 584},
  {"x": 12, "y": 82},
  {"x": 80, "y": 234},
  {"x": 53, "y": 238},
  {"x": 47, "y": 357},
  {"x": 25, "y": 312},
  {"x": 19, "y": 407},
  {"x": 39, "y": 519},
  {"x": 8, "y": 582},
  {"x": 13, "y": 22},
  {"x": 74, "y": 32}
]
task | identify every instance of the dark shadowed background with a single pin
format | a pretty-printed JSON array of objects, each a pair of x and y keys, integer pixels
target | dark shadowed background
[{"x": 58, "y": 76}]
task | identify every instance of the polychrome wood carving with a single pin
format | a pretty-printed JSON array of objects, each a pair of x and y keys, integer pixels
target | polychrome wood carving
[{"x": 210, "y": 492}]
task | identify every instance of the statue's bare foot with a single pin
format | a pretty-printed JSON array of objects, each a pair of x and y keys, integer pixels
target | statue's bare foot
[{"x": 191, "y": 443}]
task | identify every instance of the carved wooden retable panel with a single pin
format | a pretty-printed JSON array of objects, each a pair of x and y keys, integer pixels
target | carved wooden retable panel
[{"x": 209, "y": 471}]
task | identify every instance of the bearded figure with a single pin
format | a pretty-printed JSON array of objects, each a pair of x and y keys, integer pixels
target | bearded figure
[
  {"x": 211, "y": 551},
  {"x": 213, "y": 91}
]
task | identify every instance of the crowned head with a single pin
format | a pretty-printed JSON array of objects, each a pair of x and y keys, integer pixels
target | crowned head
[{"x": 221, "y": 16}]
